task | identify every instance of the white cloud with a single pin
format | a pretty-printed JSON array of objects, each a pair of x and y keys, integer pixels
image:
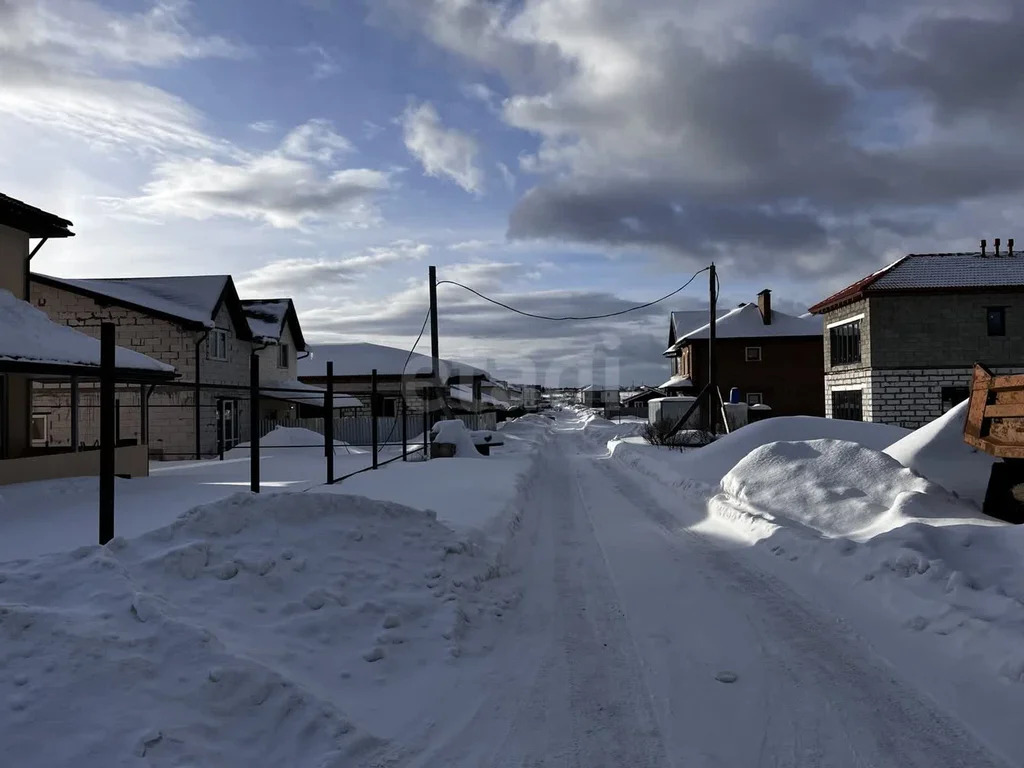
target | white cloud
[
  {"x": 315, "y": 140},
  {"x": 443, "y": 152},
  {"x": 263, "y": 126},
  {"x": 83, "y": 31},
  {"x": 507, "y": 176},
  {"x": 324, "y": 64},
  {"x": 319, "y": 275}
]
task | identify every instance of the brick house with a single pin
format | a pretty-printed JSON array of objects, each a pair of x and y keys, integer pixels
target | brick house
[
  {"x": 33, "y": 348},
  {"x": 773, "y": 358},
  {"x": 195, "y": 323},
  {"x": 901, "y": 343},
  {"x": 279, "y": 342}
]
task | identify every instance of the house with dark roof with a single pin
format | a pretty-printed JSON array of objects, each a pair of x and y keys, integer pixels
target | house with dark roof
[
  {"x": 35, "y": 349},
  {"x": 279, "y": 343},
  {"x": 195, "y": 323},
  {"x": 771, "y": 357},
  {"x": 900, "y": 344}
]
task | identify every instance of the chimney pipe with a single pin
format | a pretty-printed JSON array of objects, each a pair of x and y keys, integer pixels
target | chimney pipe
[
  {"x": 996, "y": 243},
  {"x": 983, "y": 244},
  {"x": 764, "y": 304},
  {"x": 1009, "y": 246}
]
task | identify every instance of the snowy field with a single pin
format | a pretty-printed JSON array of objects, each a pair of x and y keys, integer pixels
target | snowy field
[{"x": 801, "y": 592}]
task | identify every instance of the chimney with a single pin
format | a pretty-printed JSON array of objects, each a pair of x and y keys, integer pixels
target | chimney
[
  {"x": 764, "y": 303},
  {"x": 996, "y": 244},
  {"x": 1009, "y": 246},
  {"x": 983, "y": 244}
]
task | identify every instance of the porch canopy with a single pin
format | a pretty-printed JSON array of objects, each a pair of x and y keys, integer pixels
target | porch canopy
[
  {"x": 305, "y": 394},
  {"x": 33, "y": 345}
]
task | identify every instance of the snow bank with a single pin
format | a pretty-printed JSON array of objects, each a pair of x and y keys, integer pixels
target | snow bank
[
  {"x": 292, "y": 437},
  {"x": 836, "y": 488},
  {"x": 938, "y": 451},
  {"x": 282, "y": 630},
  {"x": 708, "y": 465},
  {"x": 455, "y": 432}
]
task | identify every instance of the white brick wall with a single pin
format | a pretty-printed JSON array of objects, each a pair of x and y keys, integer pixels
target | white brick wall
[{"x": 906, "y": 397}]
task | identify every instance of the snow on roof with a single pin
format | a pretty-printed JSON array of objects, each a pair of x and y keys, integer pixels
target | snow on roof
[
  {"x": 266, "y": 317},
  {"x": 464, "y": 393},
  {"x": 309, "y": 395},
  {"x": 676, "y": 382},
  {"x": 361, "y": 358},
  {"x": 745, "y": 322},
  {"x": 932, "y": 271},
  {"x": 598, "y": 388},
  {"x": 28, "y": 335},
  {"x": 192, "y": 298}
]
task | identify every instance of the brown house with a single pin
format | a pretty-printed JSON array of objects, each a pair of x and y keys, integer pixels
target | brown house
[{"x": 771, "y": 357}]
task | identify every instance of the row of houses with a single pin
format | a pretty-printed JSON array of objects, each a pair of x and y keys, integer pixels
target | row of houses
[
  {"x": 896, "y": 347},
  {"x": 184, "y": 349}
]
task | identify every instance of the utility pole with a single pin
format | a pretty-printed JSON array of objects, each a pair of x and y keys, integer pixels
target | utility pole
[
  {"x": 712, "y": 370},
  {"x": 434, "y": 364}
]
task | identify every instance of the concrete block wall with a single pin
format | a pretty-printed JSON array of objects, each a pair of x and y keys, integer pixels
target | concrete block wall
[
  {"x": 838, "y": 315},
  {"x": 171, "y": 408},
  {"x": 851, "y": 379}
]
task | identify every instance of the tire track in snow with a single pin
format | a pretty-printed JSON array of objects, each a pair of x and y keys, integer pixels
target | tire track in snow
[{"x": 846, "y": 706}]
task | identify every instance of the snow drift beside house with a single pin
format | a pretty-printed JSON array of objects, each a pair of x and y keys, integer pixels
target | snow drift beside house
[
  {"x": 455, "y": 432},
  {"x": 938, "y": 451}
]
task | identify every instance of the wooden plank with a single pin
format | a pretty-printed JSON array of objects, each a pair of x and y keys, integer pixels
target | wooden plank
[
  {"x": 1004, "y": 410},
  {"x": 975, "y": 413},
  {"x": 1015, "y": 381}
]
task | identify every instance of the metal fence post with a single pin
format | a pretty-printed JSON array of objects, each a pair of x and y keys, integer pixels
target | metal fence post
[
  {"x": 220, "y": 428},
  {"x": 254, "y": 422},
  {"x": 329, "y": 422},
  {"x": 426, "y": 428},
  {"x": 74, "y": 412},
  {"x": 374, "y": 406},
  {"x": 108, "y": 428},
  {"x": 405, "y": 431}
]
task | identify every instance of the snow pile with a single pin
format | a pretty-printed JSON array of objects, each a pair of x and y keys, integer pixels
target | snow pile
[
  {"x": 255, "y": 631},
  {"x": 291, "y": 437},
  {"x": 938, "y": 451},
  {"x": 455, "y": 432},
  {"x": 708, "y": 465},
  {"x": 836, "y": 488}
]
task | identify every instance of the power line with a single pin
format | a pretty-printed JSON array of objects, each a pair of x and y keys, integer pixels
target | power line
[
  {"x": 571, "y": 317},
  {"x": 402, "y": 392}
]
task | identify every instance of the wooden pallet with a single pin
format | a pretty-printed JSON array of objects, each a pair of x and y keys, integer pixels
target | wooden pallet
[{"x": 995, "y": 415}]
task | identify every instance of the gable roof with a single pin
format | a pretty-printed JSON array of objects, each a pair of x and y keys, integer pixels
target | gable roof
[
  {"x": 359, "y": 359},
  {"x": 928, "y": 272},
  {"x": 34, "y": 222},
  {"x": 189, "y": 300},
  {"x": 681, "y": 321},
  {"x": 267, "y": 318},
  {"x": 745, "y": 322}
]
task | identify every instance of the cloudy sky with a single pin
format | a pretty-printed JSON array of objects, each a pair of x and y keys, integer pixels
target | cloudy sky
[{"x": 571, "y": 156}]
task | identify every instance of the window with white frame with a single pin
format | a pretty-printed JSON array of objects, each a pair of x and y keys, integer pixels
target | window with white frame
[
  {"x": 754, "y": 398},
  {"x": 218, "y": 344},
  {"x": 40, "y": 429},
  {"x": 283, "y": 352},
  {"x": 752, "y": 354}
]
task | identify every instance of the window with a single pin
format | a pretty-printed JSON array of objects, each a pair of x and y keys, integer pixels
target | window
[
  {"x": 953, "y": 396},
  {"x": 753, "y": 354},
  {"x": 846, "y": 404},
  {"x": 388, "y": 407},
  {"x": 754, "y": 398},
  {"x": 40, "y": 429},
  {"x": 218, "y": 344},
  {"x": 844, "y": 342},
  {"x": 283, "y": 352},
  {"x": 996, "y": 318}
]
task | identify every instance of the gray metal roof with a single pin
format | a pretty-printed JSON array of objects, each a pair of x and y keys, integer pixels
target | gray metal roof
[{"x": 952, "y": 270}]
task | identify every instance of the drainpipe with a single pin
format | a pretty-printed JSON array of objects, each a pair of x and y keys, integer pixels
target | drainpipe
[
  {"x": 198, "y": 394},
  {"x": 28, "y": 268}
]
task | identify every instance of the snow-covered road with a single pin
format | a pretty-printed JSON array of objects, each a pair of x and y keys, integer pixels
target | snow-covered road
[{"x": 628, "y": 623}]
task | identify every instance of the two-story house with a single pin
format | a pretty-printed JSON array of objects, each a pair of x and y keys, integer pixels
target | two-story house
[
  {"x": 33, "y": 348},
  {"x": 900, "y": 344},
  {"x": 195, "y": 323},
  {"x": 771, "y": 357},
  {"x": 279, "y": 342}
]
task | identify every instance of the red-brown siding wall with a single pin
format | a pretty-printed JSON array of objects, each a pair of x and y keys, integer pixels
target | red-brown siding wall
[{"x": 790, "y": 375}]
